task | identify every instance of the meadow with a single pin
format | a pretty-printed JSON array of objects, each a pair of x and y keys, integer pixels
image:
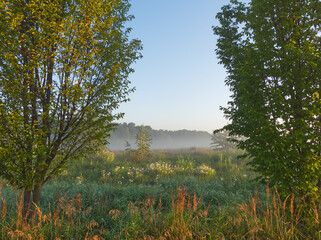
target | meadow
[{"x": 174, "y": 194}]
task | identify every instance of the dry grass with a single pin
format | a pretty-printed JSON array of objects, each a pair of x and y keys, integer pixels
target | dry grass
[
  {"x": 62, "y": 222},
  {"x": 185, "y": 218},
  {"x": 275, "y": 219},
  {"x": 183, "y": 221}
]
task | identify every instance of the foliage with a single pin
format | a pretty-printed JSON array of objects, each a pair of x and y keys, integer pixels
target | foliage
[
  {"x": 226, "y": 206},
  {"x": 64, "y": 69},
  {"x": 176, "y": 203},
  {"x": 273, "y": 219},
  {"x": 221, "y": 140},
  {"x": 185, "y": 220},
  {"x": 118, "y": 169},
  {"x": 129, "y": 152},
  {"x": 89, "y": 167},
  {"x": 271, "y": 50},
  {"x": 143, "y": 142},
  {"x": 157, "y": 212}
]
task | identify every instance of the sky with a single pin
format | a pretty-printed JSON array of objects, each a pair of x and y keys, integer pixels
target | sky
[{"x": 179, "y": 83}]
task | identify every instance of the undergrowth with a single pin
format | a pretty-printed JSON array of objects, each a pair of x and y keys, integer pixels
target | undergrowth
[{"x": 226, "y": 205}]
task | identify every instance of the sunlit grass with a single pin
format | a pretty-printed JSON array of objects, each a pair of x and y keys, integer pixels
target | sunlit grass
[
  {"x": 172, "y": 200},
  {"x": 185, "y": 217}
]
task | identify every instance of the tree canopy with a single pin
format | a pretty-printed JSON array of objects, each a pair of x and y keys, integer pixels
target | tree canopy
[
  {"x": 64, "y": 67},
  {"x": 271, "y": 51}
]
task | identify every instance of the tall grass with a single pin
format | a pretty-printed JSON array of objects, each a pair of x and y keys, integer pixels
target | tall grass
[
  {"x": 184, "y": 220},
  {"x": 186, "y": 217},
  {"x": 66, "y": 220},
  {"x": 184, "y": 204},
  {"x": 274, "y": 219}
]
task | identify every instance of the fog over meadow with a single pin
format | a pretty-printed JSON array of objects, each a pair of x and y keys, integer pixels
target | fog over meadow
[{"x": 161, "y": 139}]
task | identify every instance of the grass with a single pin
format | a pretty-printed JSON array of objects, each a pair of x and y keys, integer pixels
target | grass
[{"x": 182, "y": 203}]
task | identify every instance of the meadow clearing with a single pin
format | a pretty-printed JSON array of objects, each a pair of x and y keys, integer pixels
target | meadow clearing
[{"x": 174, "y": 194}]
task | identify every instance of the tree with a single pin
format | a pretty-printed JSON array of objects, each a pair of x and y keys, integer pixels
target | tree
[
  {"x": 64, "y": 69},
  {"x": 271, "y": 50},
  {"x": 143, "y": 142},
  {"x": 129, "y": 152},
  {"x": 220, "y": 140}
]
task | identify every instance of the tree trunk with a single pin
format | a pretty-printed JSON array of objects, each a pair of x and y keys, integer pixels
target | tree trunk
[
  {"x": 36, "y": 193},
  {"x": 26, "y": 202},
  {"x": 30, "y": 199}
]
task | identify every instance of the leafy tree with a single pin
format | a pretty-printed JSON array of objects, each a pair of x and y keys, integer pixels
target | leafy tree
[
  {"x": 143, "y": 142},
  {"x": 271, "y": 50},
  {"x": 64, "y": 69}
]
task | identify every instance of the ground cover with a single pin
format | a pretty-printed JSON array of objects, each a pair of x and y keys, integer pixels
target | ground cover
[{"x": 195, "y": 194}]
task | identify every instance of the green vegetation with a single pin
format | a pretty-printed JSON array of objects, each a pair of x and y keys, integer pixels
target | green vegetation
[
  {"x": 195, "y": 194},
  {"x": 64, "y": 68},
  {"x": 143, "y": 142},
  {"x": 271, "y": 50}
]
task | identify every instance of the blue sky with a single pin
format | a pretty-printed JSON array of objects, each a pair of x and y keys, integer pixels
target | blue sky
[{"x": 179, "y": 84}]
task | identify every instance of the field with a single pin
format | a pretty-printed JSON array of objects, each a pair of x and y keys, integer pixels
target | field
[{"x": 177, "y": 194}]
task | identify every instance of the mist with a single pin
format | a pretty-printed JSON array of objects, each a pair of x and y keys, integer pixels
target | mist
[{"x": 161, "y": 139}]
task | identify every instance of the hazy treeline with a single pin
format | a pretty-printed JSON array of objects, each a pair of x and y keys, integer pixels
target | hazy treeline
[{"x": 160, "y": 138}]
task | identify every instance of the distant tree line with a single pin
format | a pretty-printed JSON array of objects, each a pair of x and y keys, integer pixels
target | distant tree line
[{"x": 127, "y": 132}]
